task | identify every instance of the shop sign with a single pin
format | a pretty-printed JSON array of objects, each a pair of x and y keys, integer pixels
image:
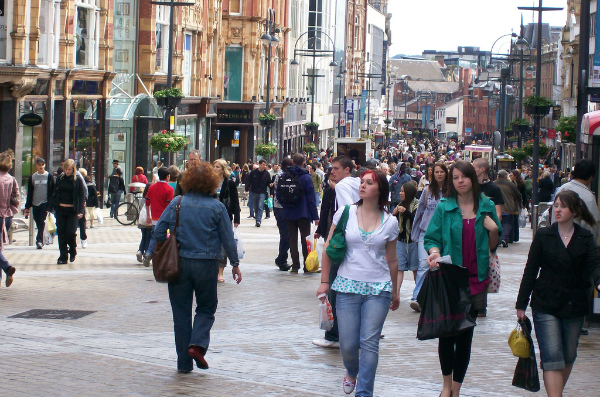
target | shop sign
[
  {"x": 235, "y": 143},
  {"x": 551, "y": 133},
  {"x": 556, "y": 112},
  {"x": 31, "y": 119},
  {"x": 450, "y": 120},
  {"x": 237, "y": 116}
]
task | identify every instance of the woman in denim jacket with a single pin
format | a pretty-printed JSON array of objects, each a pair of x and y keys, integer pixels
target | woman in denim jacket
[{"x": 204, "y": 227}]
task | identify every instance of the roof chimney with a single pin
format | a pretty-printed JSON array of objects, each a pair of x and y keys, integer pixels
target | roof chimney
[{"x": 440, "y": 60}]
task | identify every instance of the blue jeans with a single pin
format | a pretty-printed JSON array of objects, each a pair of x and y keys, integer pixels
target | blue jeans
[
  {"x": 251, "y": 203},
  {"x": 4, "y": 265},
  {"x": 423, "y": 266},
  {"x": 558, "y": 339},
  {"x": 318, "y": 198},
  {"x": 360, "y": 319},
  {"x": 198, "y": 277},
  {"x": 408, "y": 256},
  {"x": 258, "y": 206},
  {"x": 115, "y": 200},
  {"x": 151, "y": 243},
  {"x": 145, "y": 242},
  {"x": 506, "y": 226}
]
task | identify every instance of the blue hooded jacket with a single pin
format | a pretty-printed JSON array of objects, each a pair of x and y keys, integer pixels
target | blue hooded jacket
[{"x": 307, "y": 207}]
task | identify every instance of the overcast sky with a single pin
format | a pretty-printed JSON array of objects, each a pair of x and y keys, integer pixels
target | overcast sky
[{"x": 445, "y": 25}]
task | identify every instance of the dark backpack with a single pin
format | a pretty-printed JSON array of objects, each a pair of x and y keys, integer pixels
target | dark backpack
[{"x": 290, "y": 189}]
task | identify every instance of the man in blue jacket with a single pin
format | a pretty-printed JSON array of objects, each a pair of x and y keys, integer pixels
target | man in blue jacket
[{"x": 300, "y": 215}]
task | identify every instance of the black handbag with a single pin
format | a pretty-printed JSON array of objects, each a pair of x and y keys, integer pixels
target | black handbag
[{"x": 165, "y": 259}]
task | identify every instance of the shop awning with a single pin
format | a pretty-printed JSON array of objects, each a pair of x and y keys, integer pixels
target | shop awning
[{"x": 123, "y": 108}]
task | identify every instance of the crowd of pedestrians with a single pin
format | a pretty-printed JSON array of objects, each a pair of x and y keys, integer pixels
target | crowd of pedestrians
[{"x": 402, "y": 211}]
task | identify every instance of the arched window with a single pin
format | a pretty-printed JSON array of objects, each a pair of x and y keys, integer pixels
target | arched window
[{"x": 6, "y": 13}]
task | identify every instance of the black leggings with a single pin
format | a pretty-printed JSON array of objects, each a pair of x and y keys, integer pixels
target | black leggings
[{"x": 455, "y": 353}]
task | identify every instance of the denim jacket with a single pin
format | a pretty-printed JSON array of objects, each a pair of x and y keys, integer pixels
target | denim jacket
[{"x": 204, "y": 227}]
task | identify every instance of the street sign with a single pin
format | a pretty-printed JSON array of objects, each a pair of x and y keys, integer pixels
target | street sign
[
  {"x": 31, "y": 119},
  {"x": 350, "y": 116},
  {"x": 235, "y": 143},
  {"x": 551, "y": 133},
  {"x": 236, "y": 136},
  {"x": 342, "y": 121},
  {"x": 349, "y": 105},
  {"x": 468, "y": 131},
  {"x": 556, "y": 112}
]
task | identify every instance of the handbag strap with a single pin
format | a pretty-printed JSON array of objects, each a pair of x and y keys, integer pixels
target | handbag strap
[
  {"x": 177, "y": 214},
  {"x": 341, "y": 226}
]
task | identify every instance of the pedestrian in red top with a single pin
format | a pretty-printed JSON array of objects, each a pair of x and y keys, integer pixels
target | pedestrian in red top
[
  {"x": 139, "y": 177},
  {"x": 158, "y": 197}
]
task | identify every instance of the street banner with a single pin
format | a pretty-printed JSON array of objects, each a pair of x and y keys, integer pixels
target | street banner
[
  {"x": 363, "y": 107},
  {"x": 596, "y": 71}
]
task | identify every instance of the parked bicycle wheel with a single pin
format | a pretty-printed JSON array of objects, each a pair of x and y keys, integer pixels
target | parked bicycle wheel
[{"x": 127, "y": 214}]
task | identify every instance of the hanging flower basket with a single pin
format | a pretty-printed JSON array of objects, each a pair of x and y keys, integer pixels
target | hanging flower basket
[
  {"x": 311, "y": 127},
  {"x": 387, "y": 121},
  {"x": 537, "y": 106},
  {"x": 170, "y": 97},
  {"x": 404, "y": 122},
  {"x": 267, "y": 119},
  {"x": 167, "y": 142},
  {"x": 417, "y": 122},
  {"x": 309, "y": 147},
  {"x": 265, "y": 149},
  {"x": 518, "y": 154}
]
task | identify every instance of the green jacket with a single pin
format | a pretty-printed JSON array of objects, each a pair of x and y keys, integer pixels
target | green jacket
[{"x": 445, "y": 232}]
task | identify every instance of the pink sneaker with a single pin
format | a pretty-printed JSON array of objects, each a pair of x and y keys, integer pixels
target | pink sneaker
[{"x": 348, "y": 385}]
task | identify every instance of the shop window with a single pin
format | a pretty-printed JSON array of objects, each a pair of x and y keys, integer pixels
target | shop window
[
  {"x": 6, "y": 14},
  {"x": 49, "y": 25},
  {"x": 87, "y": 27},
  {"x": 187, "y": 128},
  {"x": 187, "y": 64},
  {"x": 234, "y": 61},
  {"x": 162, "y": 38}
]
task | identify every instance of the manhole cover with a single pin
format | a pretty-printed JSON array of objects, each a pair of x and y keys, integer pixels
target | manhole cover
[{"x": 53, "y": 314}]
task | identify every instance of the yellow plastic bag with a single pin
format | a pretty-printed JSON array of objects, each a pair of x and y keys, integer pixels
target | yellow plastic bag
[
  {"x": 50, "y": 224},
  {"x": 518, "y": 343},
  {"x": 312, "y": 262}
]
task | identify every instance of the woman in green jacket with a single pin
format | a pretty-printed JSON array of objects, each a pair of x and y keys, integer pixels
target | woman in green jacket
[{"x": 466, "y": 227}]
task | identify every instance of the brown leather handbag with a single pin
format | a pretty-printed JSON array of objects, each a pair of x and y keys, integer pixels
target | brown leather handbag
[{"x": 165, "y": 259}]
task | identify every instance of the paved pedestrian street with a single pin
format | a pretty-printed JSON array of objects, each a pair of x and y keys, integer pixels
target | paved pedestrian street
[{"x": 261, "y": 341}]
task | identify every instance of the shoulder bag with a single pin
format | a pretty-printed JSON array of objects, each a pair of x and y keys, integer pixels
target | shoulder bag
[
  {"x": 14, "y": 194},
  {"x": 336, "y": 250},
  {"x": 165, "y": 259}
]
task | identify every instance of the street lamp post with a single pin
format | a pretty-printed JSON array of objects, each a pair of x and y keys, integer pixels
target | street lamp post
[
  {"x": 340, "y": 77},
  {"x": 271, "y": 41},
  {"x": 314, "y": 53},
  {"x": 521, "y": 44},
  {"x": 369, "y": 76}
]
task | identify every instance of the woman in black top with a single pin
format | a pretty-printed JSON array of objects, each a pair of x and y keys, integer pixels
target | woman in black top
[
  {"x": 68, "y": 203},
  {"x": 546, "y": 188},
  {"x": 563, "y": 258},
  {"x": 228, "y": 195}
]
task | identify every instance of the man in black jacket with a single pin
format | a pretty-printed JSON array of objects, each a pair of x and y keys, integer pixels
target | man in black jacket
[{"x": 258, "y": 182}]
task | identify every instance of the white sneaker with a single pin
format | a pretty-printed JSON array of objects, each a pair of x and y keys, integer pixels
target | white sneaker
[
  {"x": 326, "y": 343},
  {"x": 83, "y": 243},
  {"x": 139, "y": 256},
  {"x": 348, "y": 385}
]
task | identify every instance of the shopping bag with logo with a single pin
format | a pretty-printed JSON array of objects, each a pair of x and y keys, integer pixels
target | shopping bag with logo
[
  {"x": 526, "y": 373},
  {"x": 237, "y": 236},
  {"x": 519, "y": 345},
  {"x": 325, "y": 313},
  {"x": 51, "y": 223},
  {"x": 494, "y": 273}
]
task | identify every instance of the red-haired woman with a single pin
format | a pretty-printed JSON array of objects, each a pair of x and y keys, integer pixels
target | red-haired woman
[{"x": 366, "y": 281}]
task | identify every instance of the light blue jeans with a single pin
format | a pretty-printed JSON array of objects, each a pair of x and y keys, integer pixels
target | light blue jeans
[
  {"x": 258, "y": 203},
  {"x": 423, "y": 266},
  {"x": 360, "y": 321}
]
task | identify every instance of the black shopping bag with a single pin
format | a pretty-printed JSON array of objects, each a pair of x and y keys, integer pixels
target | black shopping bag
[
  {"x": 445, "y": 300},
  {"x": 526, "y": 373}
]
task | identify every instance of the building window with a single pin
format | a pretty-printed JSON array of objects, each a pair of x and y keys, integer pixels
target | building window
[
  {"x": 162, "y": 38},
  {"x": 187, "y": 64},
  {"x": 235, "y": 7},
  {"x": 5, "y": 21},
  {"x": 232, "y": 81},
  {"x": 87, "y": 27},
  {"x": 49, "y": 25}
]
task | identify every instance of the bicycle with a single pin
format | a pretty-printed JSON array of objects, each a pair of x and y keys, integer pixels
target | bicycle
[{"x": 128, "y": 213}]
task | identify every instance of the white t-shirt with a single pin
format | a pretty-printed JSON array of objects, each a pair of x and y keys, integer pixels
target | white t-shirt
[{"x": 365, "y": 258}]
